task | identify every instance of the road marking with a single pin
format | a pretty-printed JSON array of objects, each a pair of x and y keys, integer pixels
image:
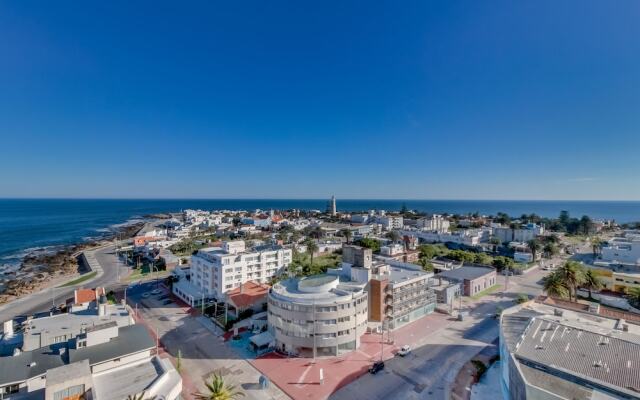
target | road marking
[{"x": 300, "y": 383}]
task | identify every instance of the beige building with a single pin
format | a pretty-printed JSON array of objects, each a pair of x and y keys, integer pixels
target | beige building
[{"x": 319, "y": 315}]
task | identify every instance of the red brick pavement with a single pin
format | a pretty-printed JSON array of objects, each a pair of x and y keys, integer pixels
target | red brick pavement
[{"x": 300, "y": 377}]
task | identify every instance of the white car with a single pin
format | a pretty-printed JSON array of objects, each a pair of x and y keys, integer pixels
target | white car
[{"x": 404, "y": 350}]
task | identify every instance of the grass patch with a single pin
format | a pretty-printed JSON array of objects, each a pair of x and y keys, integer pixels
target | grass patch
[
  {"x": 144, "y": 272},
  {"x": 81, "y": 279},
  {"x": 486, "y": 292}
]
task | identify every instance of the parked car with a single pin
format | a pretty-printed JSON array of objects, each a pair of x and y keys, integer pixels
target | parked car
[
  {"x": 167, "y": 302},
  {"x": 404, "y": 350},
  {"x": 377, "y": 366}
]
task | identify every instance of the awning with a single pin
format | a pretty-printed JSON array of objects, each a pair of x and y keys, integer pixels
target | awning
[{"x": 262, "y": 339}]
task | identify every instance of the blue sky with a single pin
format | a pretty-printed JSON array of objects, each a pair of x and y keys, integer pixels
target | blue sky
[{"x": 425, "y": 99}]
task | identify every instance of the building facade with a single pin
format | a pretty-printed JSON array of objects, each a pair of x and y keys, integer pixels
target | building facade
[
  {"x": 319, "y": 315},
  {"x": 215, "y": 271}
]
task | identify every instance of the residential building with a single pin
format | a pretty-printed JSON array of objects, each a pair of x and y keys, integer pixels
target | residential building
[
  {"x": 390, "y": 222},
  {"x": 435, "y": 223},
  {"x": 321, "y": 315},
  {"x": 473, "y": 279},
  {"x": 551, "y": 353},
  {"x": 466, "y": 237},
  {"x": 94, "y": 352},
  {"x": 217, "y": 270},
  {"x": 622, "y": 250},
  {"x": 249, "y": 296},
  {"x": 398, "y": 296},
  {"x": 524, "y": 233}
]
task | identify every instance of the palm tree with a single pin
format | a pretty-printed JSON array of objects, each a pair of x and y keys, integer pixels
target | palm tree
[
  {"x": 554, "y": 285},
  {"x": 591, "y": 281},
  {"x": 312, "y": 247},
  {"x": 550, "y": 250},
  {"x": 140, "y": 397},
  {"x": 634, "y": 297},
  {"x": 572, "y": 274},
  {"x": 596, "y": 245},
  {"x": 218, "y": 390},
  {"x": 346, "y": 233},
  {"x": 534, "y": 246}
]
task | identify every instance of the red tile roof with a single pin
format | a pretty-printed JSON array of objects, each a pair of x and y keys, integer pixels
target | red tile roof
[
  {"x": 88, "y": 295},
  {"x": 248, "y": 294}
]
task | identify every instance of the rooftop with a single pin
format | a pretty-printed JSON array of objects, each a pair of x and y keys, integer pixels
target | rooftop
[
  {"x": 119, "y": 383},
  {"x": 248, "y": 294},
  {"x": 465, "y": 273},
  {"x": 318, "y": 289},
  {"x": 130, "y": 340}
]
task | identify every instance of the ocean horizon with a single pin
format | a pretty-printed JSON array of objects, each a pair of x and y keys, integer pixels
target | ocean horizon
[{"x": 29, "y": 224}]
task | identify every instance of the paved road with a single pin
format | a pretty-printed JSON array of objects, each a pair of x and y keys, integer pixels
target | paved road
[
  {"x": 43, "y": 300},
  {"x": 433, "y": 365},
  {"x": 202, "y": 352}
]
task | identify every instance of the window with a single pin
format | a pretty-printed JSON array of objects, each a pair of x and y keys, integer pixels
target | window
[{"x": 73, "y": 392}]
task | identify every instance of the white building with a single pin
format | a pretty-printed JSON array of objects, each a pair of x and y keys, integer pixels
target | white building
[
  {"x": 523, "y": 234},
  {"x": 216, "y": 270},
  {"x": 390, "y": 222},
  {"x": 623, "y": 250},
  {"x": 467, "y": 237},
  {"x": 392, "y": 249},
  {"x": 436, "y": 223}
]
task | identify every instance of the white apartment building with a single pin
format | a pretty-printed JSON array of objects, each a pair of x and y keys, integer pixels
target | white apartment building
[
  {"x": 217, "y": 270},
  {"x": 625, "y": 250},
  {"x": 524, "y": 234},
  {"x": 467, "y": 237},
  {"x": 436, "y": 223},
  {"x": 390, "y": 222}
]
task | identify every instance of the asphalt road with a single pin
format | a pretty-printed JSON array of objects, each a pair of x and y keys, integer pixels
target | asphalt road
[
  {"x": 42, "y": 301},
  {"x": 430, "y": 370}
]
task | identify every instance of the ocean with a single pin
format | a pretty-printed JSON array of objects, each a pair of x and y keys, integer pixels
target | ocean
[{"x": 31, "y": 224}]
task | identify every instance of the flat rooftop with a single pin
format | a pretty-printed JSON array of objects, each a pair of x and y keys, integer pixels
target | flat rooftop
[
  {"x": 289, "y": 290},
  {"x": 62, "y": 324},
  {"x": 122, "y": 382},
  {"x": 465, "y": 273}
]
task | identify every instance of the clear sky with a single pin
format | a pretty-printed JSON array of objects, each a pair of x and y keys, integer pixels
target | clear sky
[{"x": 399, "y": 99}]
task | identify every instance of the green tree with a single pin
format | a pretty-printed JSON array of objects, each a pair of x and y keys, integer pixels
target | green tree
[
  {"x": 572, "y": 274},
  {"x": 550, "y": 250},
  {"x": 592, "y": 281},
  {"x": 534, "y": 247},
  {"x": 586, "y": 225},
  {"x": 218, "y": 389},
  {"x": 393, "y": 235},
  {"x": 312, "y": 248},
  {"x": 425, "y": 264},
  {"x": 346, "y": 233},
  {"x": 502, "y": 262},
  {"x": 370, "y": 243},
  {"x": 596, "y": 246},
  {"x": 483, "y": 258},
  {"x": 554, "y": 285},
  {"x": 428, "y": 251},
  {"x": 461, "y": 255}
]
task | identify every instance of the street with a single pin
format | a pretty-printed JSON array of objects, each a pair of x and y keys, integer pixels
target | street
[
  {"x": 201, "y": 346},
  {"x": 43, "y": 300},
  {"x": 433, "y": 365}
]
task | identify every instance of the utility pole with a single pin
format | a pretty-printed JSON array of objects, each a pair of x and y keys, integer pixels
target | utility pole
[
  {"x": 202, "y": 302},
  {"x": 382, "y": 339}
]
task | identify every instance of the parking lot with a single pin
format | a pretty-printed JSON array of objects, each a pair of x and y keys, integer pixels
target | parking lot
[{"x": 202, "y": 350}]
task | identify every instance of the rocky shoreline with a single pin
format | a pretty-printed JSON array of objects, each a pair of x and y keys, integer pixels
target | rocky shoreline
[{"x": 39, "y": 268}]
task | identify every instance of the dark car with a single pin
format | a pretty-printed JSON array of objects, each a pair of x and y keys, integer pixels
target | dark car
[
  {"x": 167, "y": 302},
  {"x": 377, "y": 366}
]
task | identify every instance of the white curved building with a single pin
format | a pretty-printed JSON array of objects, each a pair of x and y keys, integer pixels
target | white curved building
[{"x": 320, "y": 313}]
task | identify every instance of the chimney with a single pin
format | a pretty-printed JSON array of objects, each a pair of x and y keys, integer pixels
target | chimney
[
  {"x": 8, "y": 329},
  {"x": 75, "y": 296}
]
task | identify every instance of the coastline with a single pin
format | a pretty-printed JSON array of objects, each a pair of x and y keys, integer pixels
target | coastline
[{"x": 42, "y": 268}]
